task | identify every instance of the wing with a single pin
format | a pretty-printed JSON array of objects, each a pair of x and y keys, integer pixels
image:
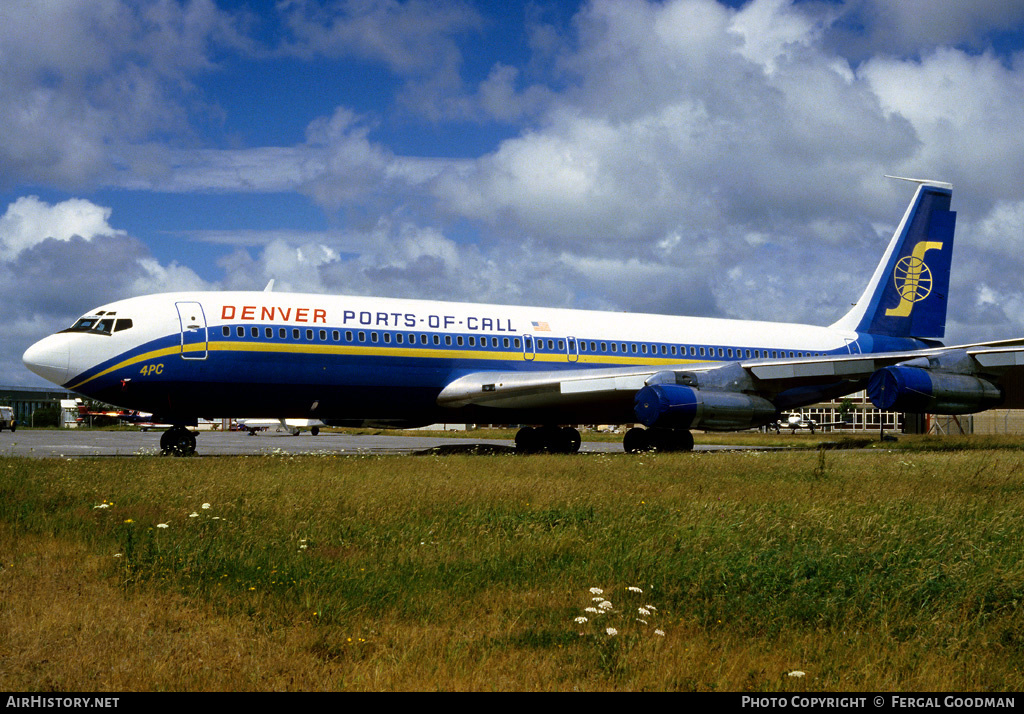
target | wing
[{"x": 785, "y": 383}]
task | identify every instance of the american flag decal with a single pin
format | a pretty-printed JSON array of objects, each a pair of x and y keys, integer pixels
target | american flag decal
[{"x": 541, "y": 327}]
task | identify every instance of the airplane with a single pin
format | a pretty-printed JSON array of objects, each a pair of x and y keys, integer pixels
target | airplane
[
  {"x": 796, "y": 421},
  {"x": 292, "y": 426},
  {"x": 386, "y": 362}
]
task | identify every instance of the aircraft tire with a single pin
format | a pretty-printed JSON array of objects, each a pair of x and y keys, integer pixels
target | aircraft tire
[
  {"x": 178, "y": 441},
  {"x": 315, "y": 430},
  {"x": 572, "y": 439},
  {"x": 528, "y": 441},
  {"x": 636, "y": 441}
]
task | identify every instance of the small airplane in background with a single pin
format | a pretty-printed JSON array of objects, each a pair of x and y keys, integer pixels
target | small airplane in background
[
  {"x": 292, "y": 426},
  {"x": 143, "y": 420},
  {"x": 797, "y": 420}
]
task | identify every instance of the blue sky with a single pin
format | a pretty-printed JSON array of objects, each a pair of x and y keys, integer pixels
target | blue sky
[{"x": 682, "y": 157}]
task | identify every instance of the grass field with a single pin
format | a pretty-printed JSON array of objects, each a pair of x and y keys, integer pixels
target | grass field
[{"x": 865, "y": 571}]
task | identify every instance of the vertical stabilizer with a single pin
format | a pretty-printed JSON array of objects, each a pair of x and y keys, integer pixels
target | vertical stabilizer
[{"x": 907, "y": 293}]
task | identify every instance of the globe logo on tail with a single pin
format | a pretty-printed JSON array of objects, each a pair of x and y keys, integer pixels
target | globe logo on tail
[{"x": 912, "y": 278}]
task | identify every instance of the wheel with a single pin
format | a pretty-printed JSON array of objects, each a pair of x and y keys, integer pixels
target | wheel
[
  {"x": 635, "y": 441},
  {"x": 178, "y": 441},
  {"x": 315, "y": 430},
  {"x": 571, "y": 439},
  {"x": 527, "y": 441}
]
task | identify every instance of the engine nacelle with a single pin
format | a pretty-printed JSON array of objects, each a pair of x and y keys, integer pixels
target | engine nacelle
[
  {"x": 680, "y": 407},
  {"x": 922, "y": 391}
]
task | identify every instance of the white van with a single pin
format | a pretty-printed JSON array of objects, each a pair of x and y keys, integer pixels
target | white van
[{"x": 7, "y": 419}]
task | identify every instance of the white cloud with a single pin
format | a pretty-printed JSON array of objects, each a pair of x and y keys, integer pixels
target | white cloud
[
  {"x": 58, "y": 261},
  {"x": 29, "y": 221},
  {"x": 87, "y": 85}
]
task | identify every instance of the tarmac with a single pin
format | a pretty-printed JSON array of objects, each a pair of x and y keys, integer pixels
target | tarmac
[{"x": 73, "y": 443}]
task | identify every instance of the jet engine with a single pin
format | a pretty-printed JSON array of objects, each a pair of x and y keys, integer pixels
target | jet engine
[
  {"x": 676, "y": 406},
  {"x": 923, "y": 391}
]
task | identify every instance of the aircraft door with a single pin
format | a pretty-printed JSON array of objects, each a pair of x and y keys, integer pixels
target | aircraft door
[
  {"x": 571, "y": 349},
  {"x": 194, "y": 335},
  {"x": 529, "y": 350}
]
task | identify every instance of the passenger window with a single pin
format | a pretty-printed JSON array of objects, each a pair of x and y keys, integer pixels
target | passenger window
[
  {"x": 255, "y": 332},
  {"x": 335, "y": 335},
  {"x": 309, "y": 335},
  {"x": 387, "y": 337},
  {"x": 373, "y": 337},
  {"x": 362, "y": 336},
  {"x": 561, "y": 345},
  {"x": 240, "y": 331},
  {"x": 323, "y": 335},
  {"x": 226, "y": 330},
  {"x": 515, "y": 341},
  {"x": 295, "y": 333},
  {"x": 643, "y": 348},
  {"x": 504, "y": 342},
  {"x": 348, "y": 335},
  {"x": 448, "y": 340},
  {"x": 282, "y": 333},
  {"x": 269, "y": 332},
  {"x": 459, "y": 340}
]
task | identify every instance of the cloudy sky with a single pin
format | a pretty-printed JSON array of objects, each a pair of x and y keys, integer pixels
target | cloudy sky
[{"x": 685, "y": 157}]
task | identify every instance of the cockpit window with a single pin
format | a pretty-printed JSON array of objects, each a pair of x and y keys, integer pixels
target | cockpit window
[{"x": 100, "y": 324}]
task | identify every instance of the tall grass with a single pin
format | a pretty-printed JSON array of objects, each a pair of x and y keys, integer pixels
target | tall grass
[{"x": 865, "y": 570}]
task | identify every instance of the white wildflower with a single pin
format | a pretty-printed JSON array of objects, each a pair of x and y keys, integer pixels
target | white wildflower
[
  {"x": 592, "y": 610},
  {"x": 162, "y": 525},
  {"x": 796, "y": 673},
  {"x": 205, "y": 506},
  {"x": 193, "y": 515},
  {"x": 605, "y": 605},
  {"x": 659, "y": 633},
  {"x": 644, "y": 611},
  {"x": 642, "y": 622},
  {"x": 580, "y": 620},
  {"x": 102, "y": 505},
  {"x": 596, "y": 591},
  {"x": 634, "y": 589},
  {"x": 611, "y": 631}
]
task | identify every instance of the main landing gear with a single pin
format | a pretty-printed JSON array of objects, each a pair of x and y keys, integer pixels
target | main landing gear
[
  {"x": 177, "y": 441},
  {"x": 662, "y": 440},
  {"x": 552, "y": 439}
]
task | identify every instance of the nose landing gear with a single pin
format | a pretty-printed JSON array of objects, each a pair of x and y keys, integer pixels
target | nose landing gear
[{"x": 177, "y": 441}]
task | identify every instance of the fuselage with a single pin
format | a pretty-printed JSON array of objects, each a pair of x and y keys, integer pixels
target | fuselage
[{"x": 383, "y": 360}]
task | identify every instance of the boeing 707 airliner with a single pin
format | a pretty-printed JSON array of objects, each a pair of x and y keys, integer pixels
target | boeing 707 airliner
[{"x": 385, "y": 362}]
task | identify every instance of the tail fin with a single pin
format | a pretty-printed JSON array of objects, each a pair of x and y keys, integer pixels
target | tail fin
[{"x": 907, "y": 294}]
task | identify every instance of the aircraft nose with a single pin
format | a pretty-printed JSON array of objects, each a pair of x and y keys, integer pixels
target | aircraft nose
[{"x": 49, "y": 358}]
